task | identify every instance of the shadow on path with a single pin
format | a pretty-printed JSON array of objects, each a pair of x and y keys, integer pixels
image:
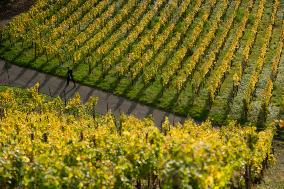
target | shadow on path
[{"x": 55, "y": 86}]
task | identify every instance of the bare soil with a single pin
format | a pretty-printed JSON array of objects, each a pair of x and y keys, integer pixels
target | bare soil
[
  {"x": 274, "y": 176},
  {"x": 11, "y": 8}
]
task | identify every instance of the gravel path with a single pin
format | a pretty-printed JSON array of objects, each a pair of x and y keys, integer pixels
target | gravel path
[
  {"x": 274, "y": 176},
  {"x": 13, "y": 75}
]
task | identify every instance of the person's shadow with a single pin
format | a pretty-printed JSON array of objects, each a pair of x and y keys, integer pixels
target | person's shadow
[
  {"x": 6, "y": 68},
  {"x": 63, "y": 94}
]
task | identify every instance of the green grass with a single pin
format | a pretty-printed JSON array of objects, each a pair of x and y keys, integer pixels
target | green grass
[
  {"x": 183, "y": 102},
  {"x": 137, "y": 91},
  {"x": 2, "y": 87}
]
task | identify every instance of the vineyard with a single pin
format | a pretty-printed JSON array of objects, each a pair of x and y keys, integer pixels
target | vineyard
[
  {"x": 221, "y": 60},
  {"x": 47, "y": 143}
]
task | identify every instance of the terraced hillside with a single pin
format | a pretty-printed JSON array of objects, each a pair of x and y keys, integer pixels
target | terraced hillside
[
  {"x": 48, "y": 143},
  {"x": 203, "y": 58}
]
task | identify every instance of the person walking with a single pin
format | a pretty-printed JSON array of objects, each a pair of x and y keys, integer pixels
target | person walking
[{"x": 70, "y": 77}]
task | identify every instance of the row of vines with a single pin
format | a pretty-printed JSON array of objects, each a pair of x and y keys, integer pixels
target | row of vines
[
  {"x": 45, "y": 143},
  {"x": 202, "y": 58}
]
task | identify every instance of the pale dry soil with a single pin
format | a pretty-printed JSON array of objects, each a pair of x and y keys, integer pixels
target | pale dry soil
[{"x": 274, "y": 176}]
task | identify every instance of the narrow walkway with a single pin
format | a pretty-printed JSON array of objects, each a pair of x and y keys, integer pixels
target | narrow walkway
[
  {"x": 13, "y": 75},
  {"x": 274, "y": 175}
]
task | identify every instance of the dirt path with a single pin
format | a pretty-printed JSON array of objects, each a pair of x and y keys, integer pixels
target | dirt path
[
  {"x": 13, "y": 75},
  {"x": 3, "y": 22},
  {"x": 10, "y": 8},
  {"x": 274, "y": 176},
  {"x": 22, "y": 77},
  {"x": 54, "y": 86}
]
